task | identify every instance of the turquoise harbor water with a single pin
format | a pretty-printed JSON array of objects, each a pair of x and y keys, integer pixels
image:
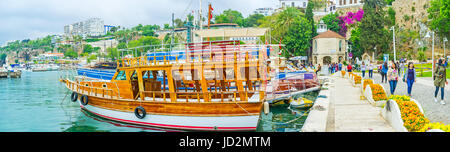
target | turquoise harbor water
[{"x": 37, "y": 102}]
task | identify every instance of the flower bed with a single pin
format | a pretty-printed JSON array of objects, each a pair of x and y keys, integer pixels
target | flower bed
[
  {"x": 343, "y": 73},
  {"x": 356, "y": 80},
  {"x": 437, "y": 126},
  {"x": 365, "y": 82},
  {"x": 404, "y": 114},
  {"x": 375, "y": 94}
]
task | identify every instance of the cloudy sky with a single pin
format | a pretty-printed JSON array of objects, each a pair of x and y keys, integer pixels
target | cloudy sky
[{"x": 23, "y": 19}]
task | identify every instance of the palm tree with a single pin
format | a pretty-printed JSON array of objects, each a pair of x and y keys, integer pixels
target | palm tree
[{"x": 284, "y": 21}]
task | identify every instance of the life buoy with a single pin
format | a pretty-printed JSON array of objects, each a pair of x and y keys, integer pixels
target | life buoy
[
  {"x": 74, "y": 96},
  {"x": 136, "y": 112},
  {"x": 84, "y": 100}
]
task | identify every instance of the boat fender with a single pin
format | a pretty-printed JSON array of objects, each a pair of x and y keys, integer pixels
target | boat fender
[
  {"x": 74, "y": 96},
  {"x": 266, "y": 107},
  {"x": 136, "y": 112},
  {"x": 84, "y": 100}
]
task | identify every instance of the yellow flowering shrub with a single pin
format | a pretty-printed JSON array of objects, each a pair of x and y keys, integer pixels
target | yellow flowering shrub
[
  {"x": 413, "y": 119},
  {"x": 378, "y": 92},
  {"x": 357, "y": 79},
  {"x": 367, "y": 82},
  {"x": 436, "y": 125}
]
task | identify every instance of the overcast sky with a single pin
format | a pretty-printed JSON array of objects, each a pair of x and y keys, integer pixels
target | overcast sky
[{"x": 23, "y": 19}]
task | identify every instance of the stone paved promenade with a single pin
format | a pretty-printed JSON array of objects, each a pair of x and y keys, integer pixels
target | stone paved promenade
[{"x": 350, "y": 114}]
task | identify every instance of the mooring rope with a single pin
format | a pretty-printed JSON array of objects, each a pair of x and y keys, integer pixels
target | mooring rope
[{"x": 67, "y": 93}]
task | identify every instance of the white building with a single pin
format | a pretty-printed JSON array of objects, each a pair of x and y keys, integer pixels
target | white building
[
  {"x": 328, "y": 46},
  {"x": 293, "y": 3},
  {"x": 347, "y": 3},
  {"x": 90, "y": 27},
  {"x": 330, "y": 7},
  {"x": 264, "y": 11}
]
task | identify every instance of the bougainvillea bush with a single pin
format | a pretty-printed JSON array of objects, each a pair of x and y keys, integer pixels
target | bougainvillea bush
[{"x": 348, "y": 20}]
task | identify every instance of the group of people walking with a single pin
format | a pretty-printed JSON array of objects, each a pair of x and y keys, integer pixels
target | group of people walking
[
  {"x": 334, "y": 67},
  {"x": 391, "y": 74}
]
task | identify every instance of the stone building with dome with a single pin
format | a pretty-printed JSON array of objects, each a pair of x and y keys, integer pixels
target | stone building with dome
[{"x": 328, "y": 46}]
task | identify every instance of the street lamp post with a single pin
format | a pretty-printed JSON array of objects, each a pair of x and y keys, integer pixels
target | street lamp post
[
  {"x": 445, "y": 40},
  {"x": 393, "y": 37},
  {"x": 432, "y": 53}
]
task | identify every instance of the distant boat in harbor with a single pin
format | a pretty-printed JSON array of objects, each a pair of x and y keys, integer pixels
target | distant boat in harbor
[
  {"x": 3, "y": 72},
  {"x": 44, "y": 67}
]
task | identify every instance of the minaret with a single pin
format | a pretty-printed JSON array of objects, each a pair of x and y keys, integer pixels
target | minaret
[{"x": 321, "y": 27}]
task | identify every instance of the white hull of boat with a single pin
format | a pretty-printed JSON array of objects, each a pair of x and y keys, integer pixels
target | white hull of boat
[{"x": 217, "y": 123}]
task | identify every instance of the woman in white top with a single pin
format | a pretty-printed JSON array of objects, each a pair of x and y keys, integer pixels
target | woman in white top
[{"x": 370, "y": 70}]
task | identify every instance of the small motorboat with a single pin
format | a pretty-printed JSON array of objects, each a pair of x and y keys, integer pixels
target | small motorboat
[{"x": 301, "y": 103}]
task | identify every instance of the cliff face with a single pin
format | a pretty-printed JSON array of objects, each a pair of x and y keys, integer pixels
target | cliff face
[{"x": 410, "y": 13}]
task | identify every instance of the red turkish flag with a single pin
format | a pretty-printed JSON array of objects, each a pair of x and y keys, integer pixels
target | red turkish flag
[{"x": 210, "y": 11}]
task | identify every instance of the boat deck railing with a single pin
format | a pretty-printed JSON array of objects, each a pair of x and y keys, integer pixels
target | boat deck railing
[
  {"x": 224, "y": 96},
  {"x": 226, "y": 51},
  {"x": 92, "y": 91},
  {"x": 228, "y": 56}
]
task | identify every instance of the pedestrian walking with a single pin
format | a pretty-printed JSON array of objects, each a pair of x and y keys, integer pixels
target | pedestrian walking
[
  {"x": 318, "y": 69},
  {"x": 363, "y": 69},
  {"x": 392, "y": 75},
  {"x": 410, "y": 77},
  {"x": 440, "y": 80},
  {"x": 336, "y": 67},
  {"x": 384, "y": 71},
  {"x": 340, "y": 66},
  {"x": 370, "y": 70},
  {"x": 349, "y": 68}
]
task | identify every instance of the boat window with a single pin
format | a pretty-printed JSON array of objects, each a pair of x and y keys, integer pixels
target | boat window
[
  {"x": 134, "y": 76},
  {"x": 121, "y": 76}
]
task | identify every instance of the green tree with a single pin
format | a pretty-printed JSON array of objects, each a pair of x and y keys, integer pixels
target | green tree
[
  {"x": 71, "y": 53},
  {"x": 2, "y": 58},
  {"x": 439, "y": 13},
  {"x": 230, "y": 16},
  {"x": 372, "y": 28},
  {"x": 298, "y": 38},
  {"x": 87, "y": 48},
  {"x": 332, "y": 22},
  {"x": 283, "y": 22},
  {"x": 391, "y": 16},
  {"x": 113, "y": 53},
  {"x": 310, "y": 16},
  {"x": 92, "y": 57},
  {"x": 122, "y": 45},
  {"x": 389, "y": 2},
  {"x": 96, "y": 49},
  {"x": 253, "y": 20},
  {"x": 355, "y": 40}
]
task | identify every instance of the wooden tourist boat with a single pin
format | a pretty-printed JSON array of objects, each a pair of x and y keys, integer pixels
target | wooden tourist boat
[{"x": 220, "y": 89}]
